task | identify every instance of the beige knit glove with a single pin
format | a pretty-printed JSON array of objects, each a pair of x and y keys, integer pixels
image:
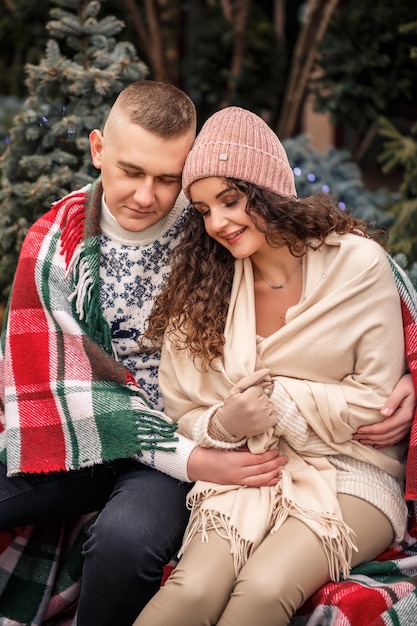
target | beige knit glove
[{"x": 246, "y": 411}]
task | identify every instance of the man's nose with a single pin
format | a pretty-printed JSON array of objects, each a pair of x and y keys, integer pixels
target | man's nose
[{"x": 145, "y": 193}]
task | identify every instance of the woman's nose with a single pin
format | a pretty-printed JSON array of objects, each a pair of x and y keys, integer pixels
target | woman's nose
[{"x": 218, "y": 219}]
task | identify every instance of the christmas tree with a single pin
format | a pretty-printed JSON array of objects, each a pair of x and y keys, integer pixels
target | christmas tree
[
  {"x": 400, "y": 151},
  {"x": 69, "y": 93},
  {"x": 335, "y": 173}
]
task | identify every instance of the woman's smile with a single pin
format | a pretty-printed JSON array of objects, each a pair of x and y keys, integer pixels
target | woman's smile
[{"x": 231, "y": 238}]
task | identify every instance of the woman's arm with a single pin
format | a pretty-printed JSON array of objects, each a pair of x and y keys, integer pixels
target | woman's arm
[
  {"x": 235, "y": 466},
  {"x": 243, "y": 409}
]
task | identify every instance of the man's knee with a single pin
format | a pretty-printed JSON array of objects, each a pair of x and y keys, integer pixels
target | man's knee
[{"x": 110, "y": 536}]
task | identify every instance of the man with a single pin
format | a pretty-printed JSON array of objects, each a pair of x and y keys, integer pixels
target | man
[{"x": 81, "y": 401}]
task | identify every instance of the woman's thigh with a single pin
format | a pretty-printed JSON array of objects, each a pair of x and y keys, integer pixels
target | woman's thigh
[
  {"x": 284, "y": 570},
  {"x": 198, "y": 589},
  {"x": 374, "y": 532},
  {"x": 291, "y": 564}
]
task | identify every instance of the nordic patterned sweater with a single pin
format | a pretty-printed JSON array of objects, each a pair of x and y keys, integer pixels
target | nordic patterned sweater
[{"x": 133, "y": 267}]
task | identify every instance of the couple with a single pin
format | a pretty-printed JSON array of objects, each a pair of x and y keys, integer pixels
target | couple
[{"x": 81, "y": 398}]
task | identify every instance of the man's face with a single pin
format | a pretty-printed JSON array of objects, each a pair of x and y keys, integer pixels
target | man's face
[{"x": 141, "y": 172}]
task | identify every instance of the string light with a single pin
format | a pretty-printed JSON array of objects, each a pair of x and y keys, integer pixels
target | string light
[{"x": 312, "y": 178}]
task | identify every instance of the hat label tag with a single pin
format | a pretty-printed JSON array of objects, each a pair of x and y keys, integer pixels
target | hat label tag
[{"x": 223, "y": 156}]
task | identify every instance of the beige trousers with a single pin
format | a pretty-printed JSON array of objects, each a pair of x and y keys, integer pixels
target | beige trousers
[{"x": 281, "y": 574}]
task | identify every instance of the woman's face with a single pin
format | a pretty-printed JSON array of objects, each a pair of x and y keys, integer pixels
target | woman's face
[{"x": 225, "y": 219}]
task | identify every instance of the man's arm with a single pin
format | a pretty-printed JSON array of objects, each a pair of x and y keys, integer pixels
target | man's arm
[
  {"x": 190, "y": 462},
  {"x": 398, "y": 412}
]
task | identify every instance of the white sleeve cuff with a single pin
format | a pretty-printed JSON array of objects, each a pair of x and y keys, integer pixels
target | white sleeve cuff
[
  {"x": 203, "y": 439},
  {"x": 172, "y": 463}
]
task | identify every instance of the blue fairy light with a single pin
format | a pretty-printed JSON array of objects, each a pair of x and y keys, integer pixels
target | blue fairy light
[
  {"x": 325, "y": 188},
  {"x": 311, "y": 177},
  {"x": 297, "y": 171}
]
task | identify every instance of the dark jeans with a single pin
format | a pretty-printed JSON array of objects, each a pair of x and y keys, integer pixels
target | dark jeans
[
  {"x": 139, "y": 529},
  {"x": 48, "y": 498}
]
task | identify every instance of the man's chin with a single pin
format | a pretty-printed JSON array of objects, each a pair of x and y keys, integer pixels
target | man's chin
[{"x": 138, "y": 222}]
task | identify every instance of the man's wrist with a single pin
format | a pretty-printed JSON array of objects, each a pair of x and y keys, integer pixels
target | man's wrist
[{"x": 193, "y": 464}]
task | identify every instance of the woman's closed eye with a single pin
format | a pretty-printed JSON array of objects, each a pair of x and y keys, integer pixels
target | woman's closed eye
[{"x": 204, "y": 210}]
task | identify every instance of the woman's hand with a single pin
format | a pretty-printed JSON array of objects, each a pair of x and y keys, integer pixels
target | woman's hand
[
  {"x": 398, "y": 412},
  {"x": 243, "y": 414}
]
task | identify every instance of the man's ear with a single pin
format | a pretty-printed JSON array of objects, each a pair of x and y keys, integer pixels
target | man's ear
[{"x": 96, "y": 147}]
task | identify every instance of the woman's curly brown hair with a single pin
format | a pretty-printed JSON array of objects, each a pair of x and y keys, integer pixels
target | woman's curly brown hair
[{"x": 194, "y": 301}]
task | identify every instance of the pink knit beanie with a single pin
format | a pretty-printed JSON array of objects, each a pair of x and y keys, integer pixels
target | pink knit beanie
[{"x": 236, "y": 143}]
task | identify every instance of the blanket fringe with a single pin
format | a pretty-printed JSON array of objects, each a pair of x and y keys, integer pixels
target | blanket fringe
[
  {"x": 82, "y": 292},
  {"x": 154, "y": 431},
  {"x": 72, "y": 224}
]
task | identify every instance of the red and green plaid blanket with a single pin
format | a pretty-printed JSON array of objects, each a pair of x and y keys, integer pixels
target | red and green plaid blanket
[
  {"x": 65, "y": 401},
  {"x": 40, "y": 568}
]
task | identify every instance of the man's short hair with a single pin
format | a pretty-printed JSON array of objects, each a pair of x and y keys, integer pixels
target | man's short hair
[{"x": 158, "y": 107}]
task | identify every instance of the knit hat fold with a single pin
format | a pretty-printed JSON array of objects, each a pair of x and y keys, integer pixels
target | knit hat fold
[{"x": 236, "y": 143}]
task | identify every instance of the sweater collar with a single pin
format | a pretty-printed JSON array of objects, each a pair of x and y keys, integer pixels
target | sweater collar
[{"x": 110, "y": 227}]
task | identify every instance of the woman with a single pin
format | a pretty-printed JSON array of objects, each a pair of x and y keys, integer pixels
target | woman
[{"x": 291, "y": 302}]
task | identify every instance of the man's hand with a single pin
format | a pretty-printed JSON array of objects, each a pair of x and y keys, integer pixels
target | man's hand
[
  {"x": 235, "y": 467},
  {"x": 398, "y": 412}
]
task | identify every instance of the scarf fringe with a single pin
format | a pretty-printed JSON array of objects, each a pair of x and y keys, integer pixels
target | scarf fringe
[
  {"x": 72, "y": 262},
  {"x": 335, "y": 535},
  {"x": 203, "y": 520}
]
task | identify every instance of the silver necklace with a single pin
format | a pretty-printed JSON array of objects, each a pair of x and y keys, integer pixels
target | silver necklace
[{"x": 281, "y": 285}]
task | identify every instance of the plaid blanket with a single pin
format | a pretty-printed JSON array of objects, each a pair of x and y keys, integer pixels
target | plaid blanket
[
  {"x": 40, "y": 573},
  {"x": 65, "y": 401},
  {"x": 40, "y": 568}
]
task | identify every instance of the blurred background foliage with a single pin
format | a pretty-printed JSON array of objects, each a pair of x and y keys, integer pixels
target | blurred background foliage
[{"x": 62, "y": 63}]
